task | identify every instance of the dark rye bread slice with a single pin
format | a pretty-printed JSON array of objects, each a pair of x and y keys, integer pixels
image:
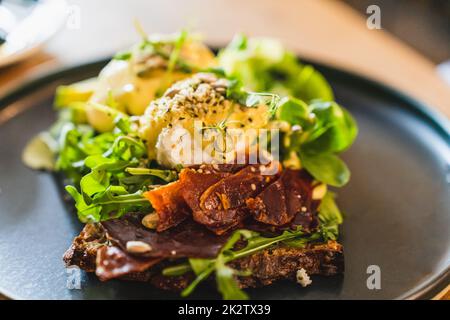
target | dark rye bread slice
[{"x": 266, "y": 266}]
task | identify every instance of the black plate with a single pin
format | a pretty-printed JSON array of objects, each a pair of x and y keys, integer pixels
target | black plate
[{"x": 397, "y": 204}]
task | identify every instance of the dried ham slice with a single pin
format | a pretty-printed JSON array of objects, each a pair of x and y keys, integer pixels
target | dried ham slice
[
  {"x": 169, "y": 204},
  {"x": 188, "y": 239},
  {"x": 221, "y": 206},
  {"x": 232, "y": 191},
  {"x": 299, "y": 187},
  {"x": 112, "y": 263},
  {"x": 282, "y": 201},
  {"x": 175, "y": 201},
  {"x": 222, "y": 197},
  {"x": 269, "y": 206},
  {"x": 221, "y": 221},
  {"x": 196, "y": 182}
]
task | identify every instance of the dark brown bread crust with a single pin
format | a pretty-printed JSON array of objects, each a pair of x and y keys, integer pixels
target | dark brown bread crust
[
  {"x": 266, "y": 266},
  {"x": 83, "y": 250},
  {"x": 270, "y": 265}
]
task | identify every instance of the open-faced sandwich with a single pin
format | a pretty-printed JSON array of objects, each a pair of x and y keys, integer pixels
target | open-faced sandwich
[{"x": 190, "y": 167}]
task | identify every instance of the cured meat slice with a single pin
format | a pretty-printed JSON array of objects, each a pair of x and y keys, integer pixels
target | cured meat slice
[
  {"x": 175, "y": 201},
  {"x": 221, "y": 221},
  {"x": 112, "y": 263},
  {"x": 269, "y": 206},
  {"x": 169, "y": 204},
  {"x": 232, "y": 191},
  {"x": 222, "y": 205},
  {"x": 188, "y": 239},
  {"x": 195, "y": 182},
  {"x": 299, "y": 187},
  {"x": 221, "y": 197},
  {"x": 286, "y": 200},
  {"x": 194, "y": 185}
]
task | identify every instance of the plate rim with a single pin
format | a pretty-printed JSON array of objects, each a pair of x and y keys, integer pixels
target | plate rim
[{"x": 434, "y": 117}]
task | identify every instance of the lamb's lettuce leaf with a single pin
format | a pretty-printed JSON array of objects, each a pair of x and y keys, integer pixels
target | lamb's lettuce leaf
[
  {"x": 320, "y": 128},
  {"x": 263, "y": 65},
  {"x": 322, "y": 131},
  {"x": 326, "y": 167}
]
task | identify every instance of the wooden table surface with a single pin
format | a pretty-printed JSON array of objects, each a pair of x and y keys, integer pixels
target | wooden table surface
[{"x": 324, "y": 30}]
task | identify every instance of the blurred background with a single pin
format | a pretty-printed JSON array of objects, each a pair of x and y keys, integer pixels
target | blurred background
[
  {"x": 408, "y": 49},
  {"x": 401, "y": 43},
  {"x": 422, "y": 24}
]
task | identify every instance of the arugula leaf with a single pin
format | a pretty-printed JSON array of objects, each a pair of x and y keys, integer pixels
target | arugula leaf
[
  {"x": 178, "y": 270},
  {"x": 199, "y": 265},
  {"x": 226, "y": 283},
  {"x": 98, "y": 163},
  {"x": 116, "y": 176},
  {"x": 126, "y": 148},
  {"x": 102, "y": 195},
  {"x": 166, "y": 175},
  {"x": 326, "y": 126},
  {"x": 330, "y": 217},
  {"x": 98, "y": 180},
  {"x": 302, "y": 242},
  {"x": 86, "y": 213},
  {"x": 112, "y": 203},
  {"x": 124, "y": 55},
  {"x": 75, "y": 143}
]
